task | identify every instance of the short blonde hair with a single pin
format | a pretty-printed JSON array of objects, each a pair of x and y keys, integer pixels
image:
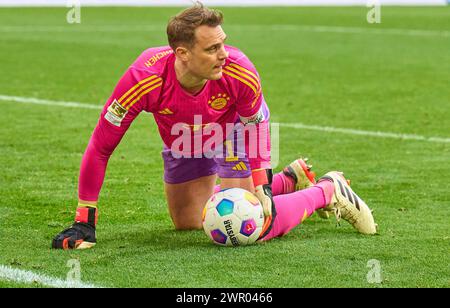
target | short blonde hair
[{"x": 181, "y": 28}]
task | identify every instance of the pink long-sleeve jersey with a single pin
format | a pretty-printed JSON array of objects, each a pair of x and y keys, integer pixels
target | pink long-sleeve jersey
[{"x": 150, "y": 85}]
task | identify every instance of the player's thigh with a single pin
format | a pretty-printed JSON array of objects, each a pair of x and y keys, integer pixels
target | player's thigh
[
  {"x": 187, "y": 200},
  {"x": 189, "y": 183}
]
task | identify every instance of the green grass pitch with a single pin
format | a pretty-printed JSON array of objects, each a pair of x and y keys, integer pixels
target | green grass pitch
[{"x": 344, "y": 74}]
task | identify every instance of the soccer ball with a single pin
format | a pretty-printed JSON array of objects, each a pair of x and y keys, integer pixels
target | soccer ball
[{"x": 233, "y": 217}]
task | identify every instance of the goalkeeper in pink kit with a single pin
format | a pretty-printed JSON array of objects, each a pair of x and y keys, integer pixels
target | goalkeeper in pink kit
[{"x": 197, "y": 88}]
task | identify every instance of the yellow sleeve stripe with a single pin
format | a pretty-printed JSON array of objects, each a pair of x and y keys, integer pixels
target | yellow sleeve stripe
[
  {"x": 256, "y": 99},
  {"x": 138, "y": 92},
  {"x": 239, "y": 73},
  {"x": 241, "y": 79},
  {"x": 137, "y": 86},
  {"x": 143, "y": 93},
  {"x": 244, "y": 70}
]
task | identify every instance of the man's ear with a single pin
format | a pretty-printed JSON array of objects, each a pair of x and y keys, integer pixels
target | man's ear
[{"x": 182, "y": 53}]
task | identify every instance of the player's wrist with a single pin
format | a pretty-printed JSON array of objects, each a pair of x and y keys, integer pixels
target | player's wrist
[
  {"x": 262, "y": 177},
  {"x": 259, "y": 177}
]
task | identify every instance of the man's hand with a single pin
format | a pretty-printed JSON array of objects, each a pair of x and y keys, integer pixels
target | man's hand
[
  {"x": 82, "y": 233},
  {"x": 79, "y": 236},
  {"x": 265, "y": 199},
  {"x": 262, "y": 180}
]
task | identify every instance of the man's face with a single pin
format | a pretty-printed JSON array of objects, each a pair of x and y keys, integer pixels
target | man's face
[{"x": 208, "y": 54}]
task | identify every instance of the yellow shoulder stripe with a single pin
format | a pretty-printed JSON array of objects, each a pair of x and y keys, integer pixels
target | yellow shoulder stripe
[
  {"x": 143, "y": 93},
  {"x": 139, "y": 91},
  {"x": 239, "y": 73},
  {"x": 244, "y": 70},
  {"x": 136, "y": 86},
  {"x": 241, "y": 80}
]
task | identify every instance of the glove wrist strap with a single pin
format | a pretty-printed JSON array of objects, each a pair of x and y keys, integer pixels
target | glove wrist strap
[{"x": 262, "y": 177}]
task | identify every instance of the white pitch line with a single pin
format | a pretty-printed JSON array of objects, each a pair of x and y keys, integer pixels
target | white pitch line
[
  {"x": 248, "y": 27},
  {"x": 347, "y": 131},
  {"x": 28, "y": 277},
  {"x": 37, "y": 101}
]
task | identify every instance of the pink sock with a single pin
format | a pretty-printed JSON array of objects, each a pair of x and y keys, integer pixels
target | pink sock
[
  {"x": 293, "y": 209},
  {"x": 328, "y": 189},
  {"x": 282, "y": 184}
]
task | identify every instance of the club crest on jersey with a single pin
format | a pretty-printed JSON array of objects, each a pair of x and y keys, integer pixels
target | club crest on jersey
[
  {"x": 219, "y": 102},
  {"x": 116, "y": 113}
]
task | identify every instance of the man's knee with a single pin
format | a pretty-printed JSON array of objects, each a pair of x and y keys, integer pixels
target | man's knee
[
  {"x": 186, "y": 218},
  {"x": 187, "y": 200},
  {"x": 187, "y": 225}
]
